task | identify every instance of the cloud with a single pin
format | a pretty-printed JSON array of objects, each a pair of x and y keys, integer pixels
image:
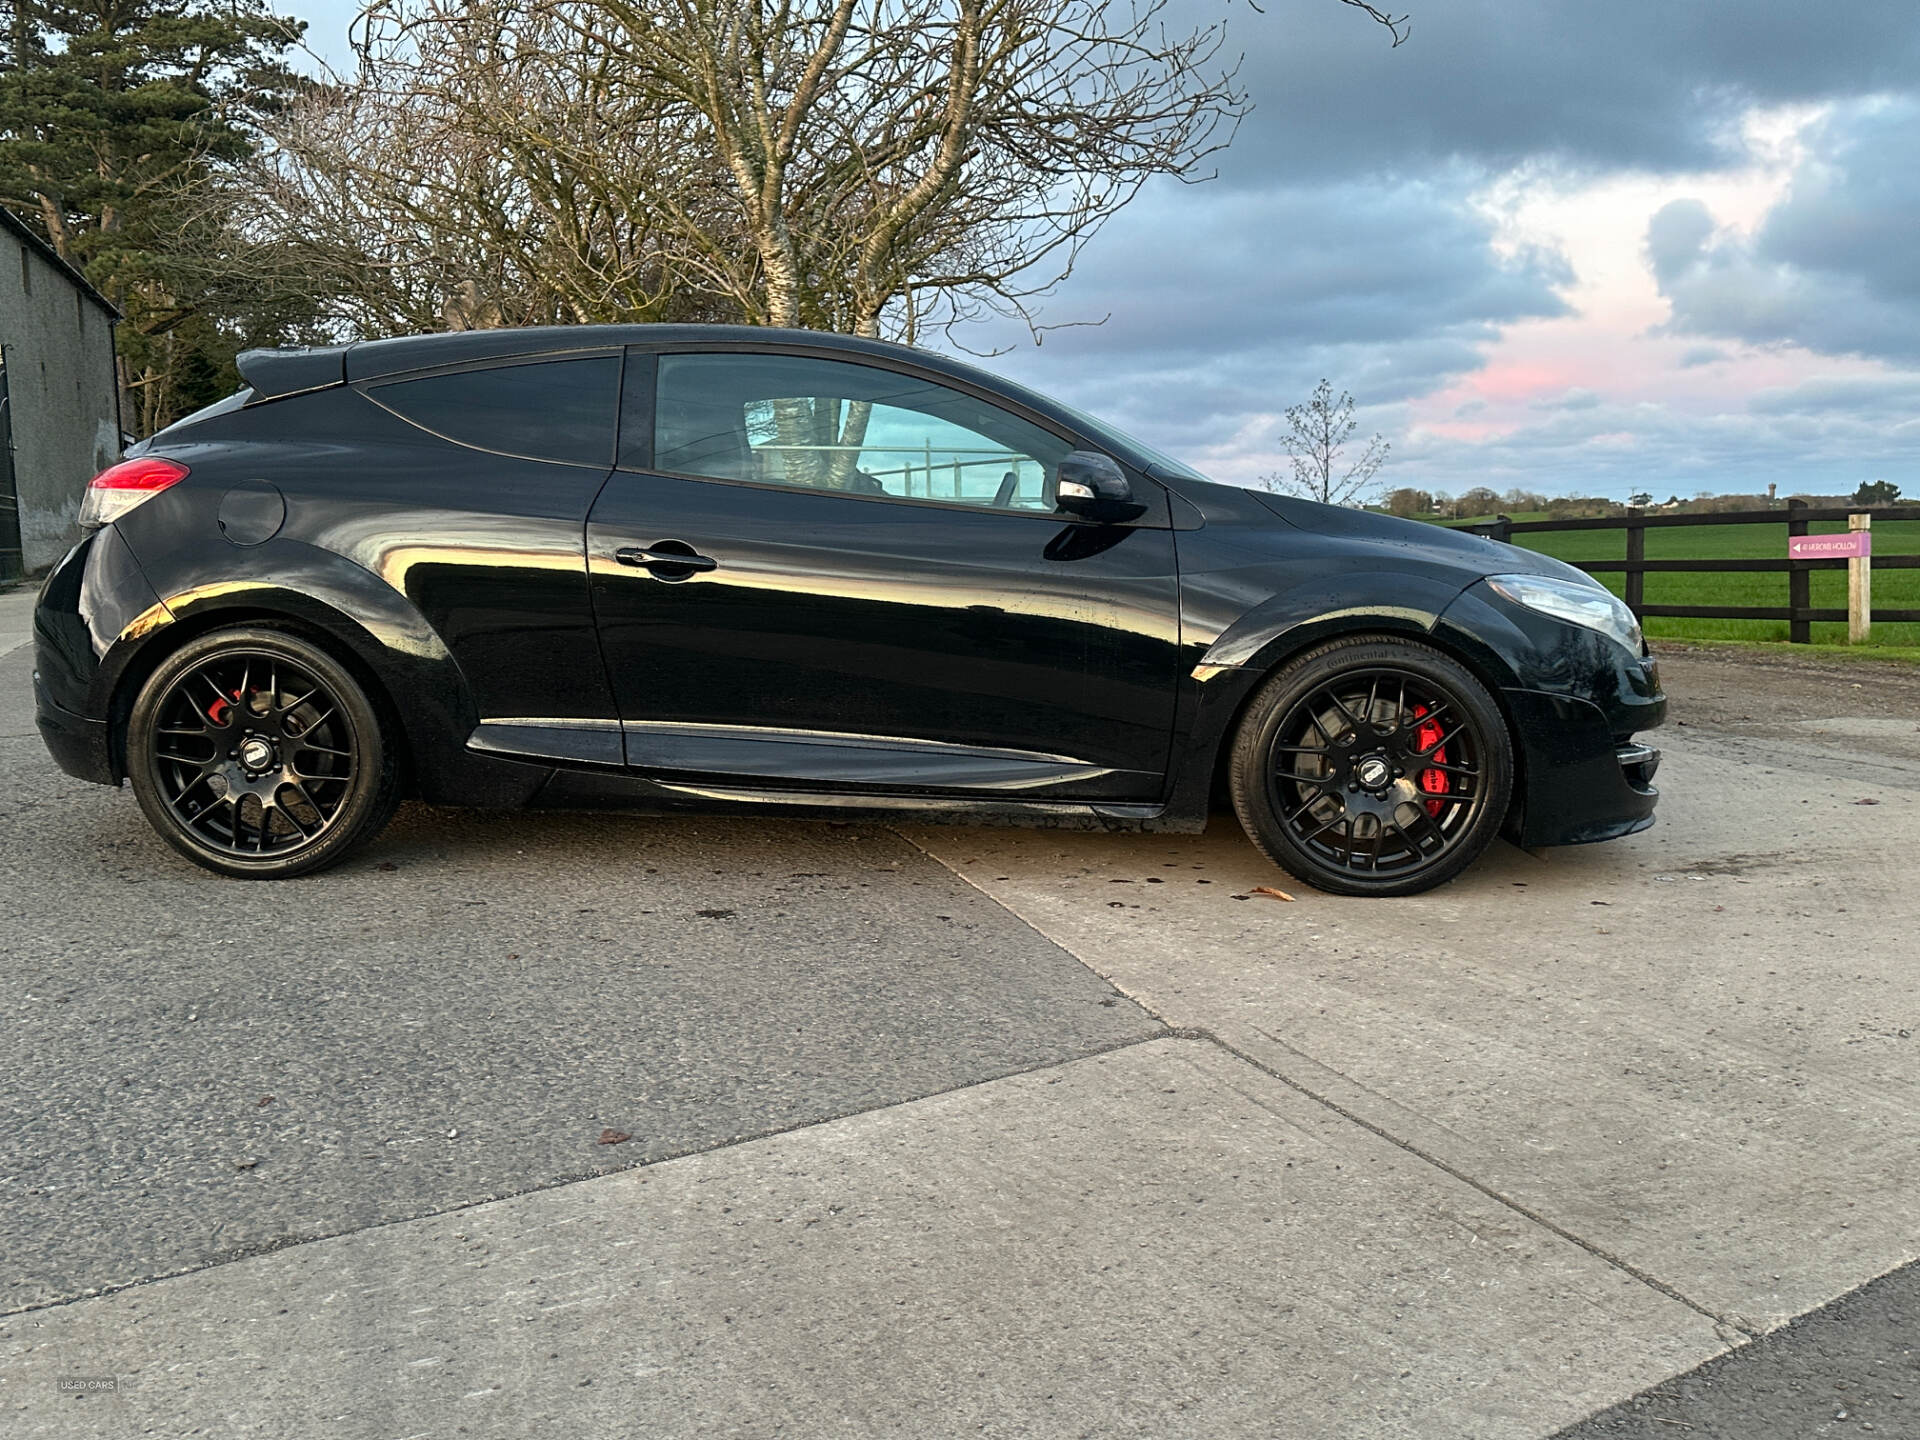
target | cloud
[
  {"x": 1831, "y": 267},
  {"x": 1350, "y": 263},
  {"x": 1869, "y": 397},
  {"x": 1802, "y": 440},
  {"x": 1677, "y": 239},
  {"x": 1854, "y": 208},
  {"x": 1641, "y": 84},
  {"x": 1224, "y": 306},
  {"x": 1348, "y": 237},
  {"x": 1574, "y": 397}
]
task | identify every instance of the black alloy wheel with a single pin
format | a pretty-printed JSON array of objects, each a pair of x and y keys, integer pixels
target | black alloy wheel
[
  {"x": 1372, "y": 766},
  {"x": 256, "y": 754}
]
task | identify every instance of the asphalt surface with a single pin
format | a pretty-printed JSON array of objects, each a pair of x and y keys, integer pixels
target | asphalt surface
[
  {"x": 1849, "y": 1368},
  {"x": 200, "y": 1068}
]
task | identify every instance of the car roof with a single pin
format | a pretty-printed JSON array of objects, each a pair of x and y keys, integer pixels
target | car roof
[
  {"x": 368, "y": 358},
  {"x": 277, "y": 372},
  {"x": 274, "y": 373},
  {"x": 284, "y": 371}
]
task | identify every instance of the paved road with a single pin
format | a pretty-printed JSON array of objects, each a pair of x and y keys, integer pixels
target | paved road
[
  {"x": 204, "y": 1069},
  {"x": 1698, "y": 1049},
  {"x": 1057, "y": 1134}
]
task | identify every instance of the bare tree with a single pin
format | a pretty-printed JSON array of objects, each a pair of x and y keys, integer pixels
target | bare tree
[
  {"x": 480, "y": 169},
  {"x": 900, "y": 163},
  {"x": 870, "y": 166},
  {"x": 1316, "y": 439},
  {"x": 1398, "y": 26}
]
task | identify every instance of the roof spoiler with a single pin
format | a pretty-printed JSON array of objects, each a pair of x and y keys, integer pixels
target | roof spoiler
[{"x": 271, "y": 374}]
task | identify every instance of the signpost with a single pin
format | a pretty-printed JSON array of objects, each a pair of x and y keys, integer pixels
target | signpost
[
  {"x": 1860, "y": 581},
  {"x": 1851, "y": 546},
  {"x": 1856, "y": 548}
]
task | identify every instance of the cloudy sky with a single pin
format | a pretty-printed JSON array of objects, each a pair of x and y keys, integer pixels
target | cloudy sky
[{"x": 1670, "y": 245}]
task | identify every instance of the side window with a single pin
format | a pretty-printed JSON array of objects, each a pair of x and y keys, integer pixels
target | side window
[
  {"x": 828, "y": 425},
  {"x": 546, "y": 410}
]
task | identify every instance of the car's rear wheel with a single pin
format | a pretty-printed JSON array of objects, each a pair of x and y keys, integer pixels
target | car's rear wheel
[
  {"x": 1372, "y": 766},
  {"x": 257, "y": 754}
]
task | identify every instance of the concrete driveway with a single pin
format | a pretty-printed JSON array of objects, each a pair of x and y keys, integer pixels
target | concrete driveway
[{"x": 955, "y": 1131}]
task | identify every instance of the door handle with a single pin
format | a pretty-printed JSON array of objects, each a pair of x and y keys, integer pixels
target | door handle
[{"x": 654, "y": 558}]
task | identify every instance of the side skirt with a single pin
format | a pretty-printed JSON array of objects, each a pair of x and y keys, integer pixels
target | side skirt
[
  {"x": 598, "y": 790},
  {"x": 736, "y": 770},
  {"x": 557, "y": 742},
  {"x": 819, "y": 759}
]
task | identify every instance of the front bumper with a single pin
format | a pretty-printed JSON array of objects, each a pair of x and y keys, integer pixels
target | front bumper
[
  {"x": 1581, "y": 783},
  {"x": 78, "y": 745},
  {"x": 1576, "y": 699}
]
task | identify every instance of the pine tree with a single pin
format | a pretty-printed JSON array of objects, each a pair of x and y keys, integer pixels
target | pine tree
[{"x": 110, "y": 111}]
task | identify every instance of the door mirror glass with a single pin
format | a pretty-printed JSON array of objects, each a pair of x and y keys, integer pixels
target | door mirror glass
[{"x": 1092, "y": 485}]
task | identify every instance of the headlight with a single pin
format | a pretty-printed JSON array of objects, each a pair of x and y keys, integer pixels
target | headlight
[{"x": 1577, "y": 604}]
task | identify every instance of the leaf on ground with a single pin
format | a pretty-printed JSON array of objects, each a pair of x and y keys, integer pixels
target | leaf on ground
[
  {"x": 1271, "y": 893},
  {"x": 386, "y": 865},
  {"x": 265, "y": 1100},
  {"x": 613, "y": 1137},
  {"x": 1866, "y": 802}
]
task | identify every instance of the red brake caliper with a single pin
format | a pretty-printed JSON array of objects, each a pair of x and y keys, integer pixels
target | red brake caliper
[
  {"x": 216, "y": 712},
  {"x": 1434, "y": 782}
]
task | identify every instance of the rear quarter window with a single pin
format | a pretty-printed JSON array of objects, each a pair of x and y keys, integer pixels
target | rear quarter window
[{"x": 545, "y": 410}]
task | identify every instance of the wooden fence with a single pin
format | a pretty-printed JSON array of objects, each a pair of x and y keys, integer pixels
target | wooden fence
[{"x": 1799, "y": 611}]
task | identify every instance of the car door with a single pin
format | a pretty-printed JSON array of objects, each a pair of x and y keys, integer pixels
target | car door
[{"x": 832, "y": 574}]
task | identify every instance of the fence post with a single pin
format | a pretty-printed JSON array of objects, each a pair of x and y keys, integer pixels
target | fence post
[
  {"x": 1636, "y": 555},
  {"x": 1799, "y": 589},
  {"x": 1860, "y": 583},
  {"x": 1502, "y": 527}
]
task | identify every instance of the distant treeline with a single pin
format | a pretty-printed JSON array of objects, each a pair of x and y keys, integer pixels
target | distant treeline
[{"x": 1481, "y": 501}]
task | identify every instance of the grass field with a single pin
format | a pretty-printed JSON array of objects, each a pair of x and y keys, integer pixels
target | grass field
[{"x": 1892, "y": 589}]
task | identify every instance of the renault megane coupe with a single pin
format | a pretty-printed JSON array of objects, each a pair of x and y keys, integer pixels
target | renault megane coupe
[{"x": 710, "y": 568}]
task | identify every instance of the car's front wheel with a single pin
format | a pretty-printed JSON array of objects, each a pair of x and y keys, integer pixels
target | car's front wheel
[
  {"x": 1371, "y": 766},
  {"x": 257, "y": 754}
]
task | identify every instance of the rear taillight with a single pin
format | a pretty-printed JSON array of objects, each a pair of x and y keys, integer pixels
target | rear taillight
[{"x": 116, "y": 490}]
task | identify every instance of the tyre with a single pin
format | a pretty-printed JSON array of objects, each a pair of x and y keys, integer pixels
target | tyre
[
  {"x": 256, "y": 754},
  {"x": 1372, "y": 766}
]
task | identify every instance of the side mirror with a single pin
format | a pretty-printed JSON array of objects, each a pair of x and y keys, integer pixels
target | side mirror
[{"x": 1091, "y": 485}]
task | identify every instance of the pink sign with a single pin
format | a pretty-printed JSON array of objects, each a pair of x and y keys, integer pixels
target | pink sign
[{"x": 1850, "y": 546}]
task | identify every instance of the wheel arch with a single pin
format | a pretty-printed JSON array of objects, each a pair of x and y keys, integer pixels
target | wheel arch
[
  {"x": 1281, "y": 649},
  {"x": 382, "y": 671}
]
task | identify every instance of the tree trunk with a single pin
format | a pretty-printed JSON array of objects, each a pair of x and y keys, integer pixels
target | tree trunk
[{"x": 53, "y": 213}]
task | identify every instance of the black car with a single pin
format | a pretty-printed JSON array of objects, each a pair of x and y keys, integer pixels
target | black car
[{"x": 693, "y": 567}]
